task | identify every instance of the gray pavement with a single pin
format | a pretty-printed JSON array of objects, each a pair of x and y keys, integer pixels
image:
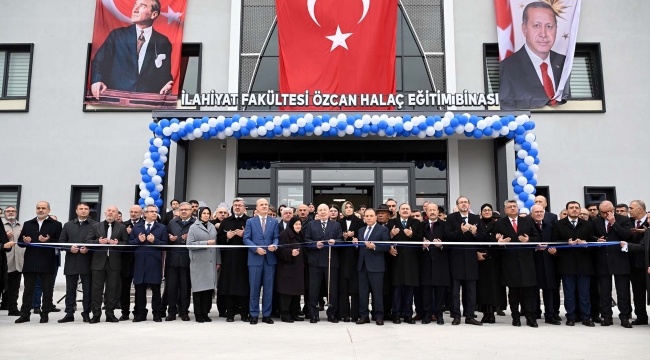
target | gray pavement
[{"x": 239, "y": 340}]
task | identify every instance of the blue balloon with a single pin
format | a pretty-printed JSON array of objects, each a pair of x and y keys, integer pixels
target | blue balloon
[
  {"x": 143, "y": 171},
  {"x": 533, "y": 152},
  {"x": 504, "y": 121},
  {"x": 382, "y": 125},
  {"x": 175, "y": 137},
  {"x": 537, "y": 160},
  {"x": 237, "y": 134},
  {"x": 166, "y": 142},
  {"x": 261, "y": 121},
  {"x": 206, "y": 135},
  {"x": 153, "y": 126},
  {"x": 150, "y": 186},
  {"x": 510, "y": 135},
  {"x": 213, "y": 132},
  {"x": 510, "y": 118},
  {"x": 406, "y": 133},
  {"x": 532, "y": 125},
  {"x": 302, "y": 131},
  {"x": 423, "y": 126},
  {"x": 158, "y": 202},
  {"x": 205, "y": 120},
  {"x": 333, "y": 131},
  {"x": 309, "y": 127},
  {"x": 317, "y": 122},
  {"x": 154, "y": 194},
  {"x": 286, "y": 123},
  {"x": 357, "y": 132},
  {"x": 454, "y": 123},
  {"x": 520, "y": 130},
  {"x": 399, "y": 128},
  {"x": 141, "y": 202},
  {"x": 151, "y": 141},
  {"x": 270, "y": 134},
  {"x": 326, "y": 118},
  {"x": 523, "y": 196},
  {"x": 161, "y": 173},
  {"x": 532, "y": 182},
  {"x": 529, "y": 203},
  {"x": 419, "y": 165},
  {"x": 478, "y": 133},
  {"x": 158, "y": 131},
  {"x": 497, "y": 125},
  {"x": 220, "y": 127},
  {"x": 236, "y": 117},
  {"x": 464, "y": 120},
  {"x": 430, "y": 121},
  {"x": 406, "y": 118},
  {"x": 155, "y": 156},
  {"x": 514, "y": 183},
  {"x": 146, "y": 178},
  {"x": 374, "y": 128},
  {"x": 473, "y": 119},
  {"x": 365, "y": 128},
  {"x": 526, "y": 146},
  {"x": 164, "y": 123},
  {"x": 518, "y": 161},
  {"x": 341, "y": 125},
  {"x": 250, "y": 125},
  {"x": 277, "y": 130},
  {"x": 357, "y": 117},
  {"x": 527, "y": 125},
  {"x": 390, "y": 131},
  {"x": 449, "y": 130},
  {"x": 158, "y": 165},
  {"x": 522, "y": 167},
  {"x": 197, "y": 123},
  {"x": 326, "y": 134},
  {"x": 488, "y": 131},
  {"x": 227, "y": 123},
  {"x": 415, "y": 130},
  {"x": 520, "y": 139},
  {"x": 437, "y": 118},
  {"x": 182, "y": 133},
  {"x": 528, "y": 174},
  {"x": 350, "y": 120},
  {"x": 293, "y": 119},
  {"x": 469, "y": 134},
  {"x": 153, "y": 149},
  {"x": 437, "y": 134},
  {"x": 245, "y": 132},
  {"x": 189, "y": 128},
  {"x": 518, "y": 189},
  {"x": 174, "y": 121}
]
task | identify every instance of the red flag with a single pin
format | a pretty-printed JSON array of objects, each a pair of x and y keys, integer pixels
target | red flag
[
  {"x": 505, "y": 31},
  {"x": 337, "y": 47}
]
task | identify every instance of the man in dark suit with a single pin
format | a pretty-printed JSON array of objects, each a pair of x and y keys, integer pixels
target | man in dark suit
[
  {"x": 611, "y": 260},
  {"x": 285, "y": 215},
  {"x": 404, "y": 264},
  {"x": 177, "y": 265},
  {"x": 134, "y": 58},
  {"x": 261, "y": 235},
  {"x": 319, "y": 232},
  {"x": 77, "y": 263},
  {"x": 518, "y": 264},
  {"x": 40, "y": 261},
  {"x": 147, "y": 270},
  {"x": 575, "y": 263},
  {"x": 549, "y": 218},
  {"x": 126, "y": 273},
  {"x": 530, "y": 77},
  {"x": 106, "y": 263},
  {"x": 371, "y": 267},
  {"x": 545, "y": 265},
  {"x": 169, "y": 215},
  {"x": 462, "y": 226},
  {"x": 639, "y": 219},
  {"x": 434, "y": 266}
]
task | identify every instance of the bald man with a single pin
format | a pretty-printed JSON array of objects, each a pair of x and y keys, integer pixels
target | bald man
[{"x": 613, "y": 260}]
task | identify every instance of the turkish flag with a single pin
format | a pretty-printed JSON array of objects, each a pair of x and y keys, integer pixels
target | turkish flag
[
  {"x": 505, "y": 31},
  {"x": 337, "y": 47}
]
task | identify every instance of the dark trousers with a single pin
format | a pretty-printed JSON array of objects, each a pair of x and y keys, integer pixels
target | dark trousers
[
  {"x": 305, "y": 306},
  {"x": 549, "y": 302},
  {"x": 580, "y": 284},
  {"x": 221, "y": 306},
  {"x": 12, "y": 291},
  {"x": 107, "y": 282},
  {"x": 594, "y": 296},
  {"x": 524, "y": 296},
  {"x": 556, "y": 298},
  {"x": 638, "y": 279},
  {"x": 433, "y": 300},
  {"x": 141, "y": 300},
  {"x": 125, "y": 294},
  {"x": 622, "y": 283},
  {"x": 235, "y": 304},
  {"x": 318, "y": 276},
  {"x": 348, "y": 305},
  {"x": 71, "y": 293},
  {"x": 418, "y": 301},
  {"x": 179, "y": 289},
  {"x": 371, "y": 281},
  {"x": 289, "y": 305},
  {"x": 402, "y": 301},
  {"x": 38, "y": 289},
  {"x": 47, "y": 281},
  {"x": 202, "y": 302},
  {"x": 469, "y": 298}
]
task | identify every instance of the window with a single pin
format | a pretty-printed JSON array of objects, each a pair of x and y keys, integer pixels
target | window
[
  {"x": 597, "y": 194},
  {"x": 586, "y": 81},
  {"x": 10, "y": 196},
  {"x": 395, "y": 185},
  {"x": 254, "y": 182},
  {"x": 89, "y": 194},
  {"x": 15, "y": 76},
  {"x": 190, "y": 78},
  {"x": 545, "y": 192}
]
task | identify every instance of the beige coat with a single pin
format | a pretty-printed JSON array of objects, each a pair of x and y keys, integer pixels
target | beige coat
[{"x": 16, "y": 256}]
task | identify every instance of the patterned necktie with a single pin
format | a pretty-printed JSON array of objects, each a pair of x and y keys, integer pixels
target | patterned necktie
[
  {"x": 263, "y": 225},
  {"x": 323, "y": 224},
  {"x": 514, "y": 224},
  {"x": 431, "y": 227},
  {"x": 465, "y": 219},
  {"x": 573, "y": 222},
  {"x": 548, "y": 84},
  {"x": 140, "y": 41},
  {"x": 365, "y": 238}
]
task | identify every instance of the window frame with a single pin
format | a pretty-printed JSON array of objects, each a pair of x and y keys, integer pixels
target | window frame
[
  {"x": 73, "y": 199},
  {"x": 18, "y": 189},
  {"x": 17, "y": 48},
  {"x": 605, "y": 189},
  {"x": 581, "y": 47},
  {"x": 186, "y": 47}
]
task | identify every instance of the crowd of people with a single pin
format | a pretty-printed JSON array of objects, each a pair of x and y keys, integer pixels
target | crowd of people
[{"x": 389, "y": 263}]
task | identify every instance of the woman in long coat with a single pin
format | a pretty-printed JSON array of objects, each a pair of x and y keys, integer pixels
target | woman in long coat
[
  {"x": 348, "y": 273},
  {"x": 204, "y": 263},
  {"x": 290, "y": 272},
  {"x": 491, "y": 296}
]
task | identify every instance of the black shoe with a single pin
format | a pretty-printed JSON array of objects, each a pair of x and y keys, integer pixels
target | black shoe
[
  {"x": 607, "y": 322},
  {"x": 230, "y": 319},
  {"x": 332, "y": 319},
  {"x": 22, "y": 319},
  {"x": 198, "y": 318},
  {"x": 170, "y": 317},
  {"x": 3, "y": 307},
  {"x": 363, "y": 321},
  {"x": 472, "y": 322},
  {"x": 409, "y": 320},
  {"x": 532, "y": 322},
  {"x": 246, "y": 318},
  {"x": 300, "y": 313},
  {"x": 346, "y": 319},
  {"x": 492, "y": 320},
  {"x": 95, "y": 320},
  {"x": 397, "y": 320},
  {"x": 286, "y": 319},
  {"x": 379, "y": 322},
  {"x": 85, "y": 317},
  {"x": 626, "y": 324},
  {"x": 588, "y": 322},
  {"x": 37, "y": 310},
  {"x": 118, "y": 307},
  {"x": 516, "y": 322},
  {"x": 440, "y": 321},
  {"x": 597, "y": 319},
  {"x": 313, "y": 321},
  {"x": 111, "y": 319},
  {"x": 44, "y": 318},
  {"x": 124, "y": 317},
  {"x": 185, "y": 317},
  {"x": 55, "y": 309},
  {"x": 570, "y": 322},
  {"x": 456, "y": 321},
  {"x": 501, "y": 313},
  {"x": 253, "y": 321},
  {"x": 206, "y": 318},
  {"x": 267, "y": 319},
  {"x": 297, "y": 318},
  {"x": 425, "y": 321},
  {"x": 635, "y": 322},
  {"x": 66, "y": 319},
  {"x": 139, "y": 319},
  {"x": 485, "y": 319},
  {"x": 557, "y": 318},
  {"x": 388, "y": 317},
  {"x": 14, "y": 313},
  {"x": 552, "y": 321}
]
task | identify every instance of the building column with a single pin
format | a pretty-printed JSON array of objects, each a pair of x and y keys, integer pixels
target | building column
[
  {"x": 230, "y": 176},
  {"x": 453, "y": 172}
]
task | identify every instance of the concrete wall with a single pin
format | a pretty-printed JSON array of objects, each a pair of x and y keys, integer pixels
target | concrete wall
[
  {"x": 477, "y": 182},
  {"x": 205, "y": 173}
]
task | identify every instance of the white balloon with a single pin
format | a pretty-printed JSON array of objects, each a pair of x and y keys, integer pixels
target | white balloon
[
  {"x": 159, "y": 188},
  {"x": 284, "y": 116},
  {"x": 269, "y": 125},
  {"x": 349, "y": 129},
  {"x": 383, "y": 117},
  {"x": 167, "y": 131},
  {"x": 277, "y": 121},
  {"x": 504, "y": 131},
  {"x": 535, "y": 176},
  {"x": 449, "y": 115},
  {"x": 261, "y": 131},
  {"x": 341, "y": 117},
  {"x": 366, "y": 119},
  {"x": 149, "y": 201},
  {"x": 416, "y": 121},
  {"x": 301, "y": 122},
  {"x": 534, "y": 168},
  {"x": 512, "y": 125},
  {"x": 522, "y": 181},
  {"x": 157, "y": 142},
  {"x": 333, "y": 122},
  {"x": 205, "y": 127},
  {"x": 318, "y": 131},
  {"x": 235, "y": 127},
  {"x": 163, "y": 159},
  {"x": 445, "y": 122},
  {"x": 163, "y": 150},
  {"x": 460, "y": 129},
  {"x": 438, "y": 126},
  {"x": 518, "y": 174},
  {"x": 524, "y": 211},
  {"x": 181, "y": 125},
  {"x": 531, "y": 197},
  {"x": 228, "y": 132},
  {"x": 358, "y": 124},
  {"x": 293, "y": 128},
  {"x": 469, "y": 127},
  {"x": 529, "y": 160},
  {"x": 191, "y": 137},
  {"x": 522, "y": 154},
  {"x": 156, "y": 179},
  {"x": 143, "y": 186},
  {"x": 430, "y": 131},
  {"x": 325, "y": 127},
  {"x": 520, "y": 120},
  {"x": 480, "y": 124},
  {"x": 530, "y": 137},
  {"x": 221, "y": 118},
  {"x": 422, "y": 134},
  {"x": 212, "y": 122},
  {"x": 517, "y": 147},
  {"x": 174, "y": 127},
  {"x": 197, "y": 133},
  {"x": 520, "y": 204},
  {"x": 286, "y": 132},
  {"x": 341, "y": 133},
  {"x": 309, "y": 117},
  {"x": 408, "y": 126},
  {"x": 525, "y": 117},
  {"x": 374, "y": 120},
  {"x": 489, "y": 121},
  {"x": 528, "y": 188},
  {"x": 495, "y": 134},
  {"x": 221, "y": 135},
  {"x": 253, "y": 133},
  {"x": 392, "y": 121},
  {"x": 151, "y": 171},
  {"x": 147, "y": 163},
  {"x": 147, "y": 155},
  {"x": 534, "y": 145},
  {"x": 242, "y": 121}
]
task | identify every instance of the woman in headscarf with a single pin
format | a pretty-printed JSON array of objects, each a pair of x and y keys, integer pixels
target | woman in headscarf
[
  {"x": 204, "y": 263},
  {"x": 290, "y": 272},
  {"x": 491, "y": 296},
  {"x": 348, "y": 273}
]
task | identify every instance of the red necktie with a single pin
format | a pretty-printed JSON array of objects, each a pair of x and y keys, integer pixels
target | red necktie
[
  {"x": 638, "y": 224},
  {"x": 548, "y": 84},
  {"x": 514, "y": 224},
  {"x": 539, "y": 227},
  {"x": 609, "y": 227}
]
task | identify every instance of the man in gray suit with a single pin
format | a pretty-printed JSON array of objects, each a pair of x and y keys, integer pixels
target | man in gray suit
[{"x": 106, "y": 264}]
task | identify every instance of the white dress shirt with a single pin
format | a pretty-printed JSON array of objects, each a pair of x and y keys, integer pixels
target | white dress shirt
[
  {"x": 537, "y": 61},
  {"x": 143, "y": 49}
]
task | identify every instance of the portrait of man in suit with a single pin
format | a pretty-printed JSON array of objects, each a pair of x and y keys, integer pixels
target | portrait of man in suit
[
  {"x": 530, "y": 77},
  {"x": 135, "y": 58}
]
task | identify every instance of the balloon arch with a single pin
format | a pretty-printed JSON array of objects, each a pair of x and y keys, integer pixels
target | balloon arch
[{"x": 166, "y": 128}]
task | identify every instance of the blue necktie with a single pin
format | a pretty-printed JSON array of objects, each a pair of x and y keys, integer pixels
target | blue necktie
[
  {"x": 367, "y": 234},
  {"x": 148, "y": 228},
  {"x": 404, "y": 224}
]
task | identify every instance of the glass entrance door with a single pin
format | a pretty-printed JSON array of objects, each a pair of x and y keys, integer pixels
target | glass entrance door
[{"x": 358, "y": 195}]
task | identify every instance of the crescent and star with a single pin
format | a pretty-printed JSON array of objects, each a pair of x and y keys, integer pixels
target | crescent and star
[{"x": 337, "y": 39}]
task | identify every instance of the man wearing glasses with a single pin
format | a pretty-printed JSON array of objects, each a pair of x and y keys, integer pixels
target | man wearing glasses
[
  {"x": 177, "y": 264},
  {"x": 147, "y": 271}
]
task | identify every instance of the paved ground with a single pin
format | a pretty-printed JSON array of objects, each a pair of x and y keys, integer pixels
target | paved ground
[{"x": 238, "y": 340}]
